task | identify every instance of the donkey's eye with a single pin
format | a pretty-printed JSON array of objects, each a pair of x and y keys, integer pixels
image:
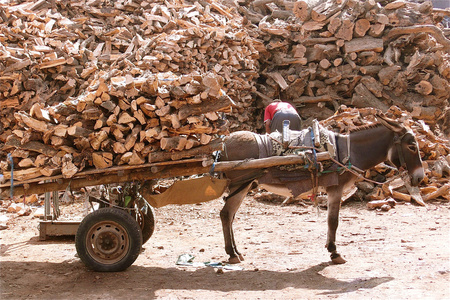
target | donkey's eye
[{"x": 412, "y": 148}]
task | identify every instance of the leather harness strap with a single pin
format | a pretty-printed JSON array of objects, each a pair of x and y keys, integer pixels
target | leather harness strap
[{"x": 398, "y": 144}]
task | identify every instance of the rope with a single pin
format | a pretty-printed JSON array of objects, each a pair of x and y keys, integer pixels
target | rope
[
  {"x": 11, "y": 190},
  {"x": 213, "y": 166},
  {"x": 314, "y": 171},
  {"x": 350, "y": 169}
]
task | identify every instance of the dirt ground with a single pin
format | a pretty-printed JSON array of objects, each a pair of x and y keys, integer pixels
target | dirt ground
[{"x": 399, "y": 254}]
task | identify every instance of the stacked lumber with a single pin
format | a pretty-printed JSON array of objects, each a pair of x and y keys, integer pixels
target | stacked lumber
[
  {"x": 94, "y": 84},
  {"x": 319, "y": 54},
  {"x": 434, "y": 151}
]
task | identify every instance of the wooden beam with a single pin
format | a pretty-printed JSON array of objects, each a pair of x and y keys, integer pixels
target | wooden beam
[{"x": 129, "y": 174}]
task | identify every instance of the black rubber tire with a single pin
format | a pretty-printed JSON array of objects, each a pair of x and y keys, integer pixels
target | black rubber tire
[
  {"x": 108, "y": 240},
  {"x": 149, "y": 225}
]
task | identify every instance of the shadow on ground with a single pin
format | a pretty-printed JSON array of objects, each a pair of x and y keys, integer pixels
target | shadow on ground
[{"x": 148, "y": 280}]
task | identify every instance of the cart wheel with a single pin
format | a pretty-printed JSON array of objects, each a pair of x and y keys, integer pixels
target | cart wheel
[
  {"x": 108, "y": 240},
  {"x": 147, "y": 223}
]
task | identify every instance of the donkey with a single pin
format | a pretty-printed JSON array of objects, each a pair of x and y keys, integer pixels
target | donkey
[{"x": 386, "y": 140}]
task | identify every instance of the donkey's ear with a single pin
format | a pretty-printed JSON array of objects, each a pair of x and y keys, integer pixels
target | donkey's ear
[{"x": 390, "y": 124}]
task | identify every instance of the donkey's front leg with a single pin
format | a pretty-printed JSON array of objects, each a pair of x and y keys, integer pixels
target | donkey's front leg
[
  {"x": 334, "y": 204},
  {"x": 232, "y": 203}
]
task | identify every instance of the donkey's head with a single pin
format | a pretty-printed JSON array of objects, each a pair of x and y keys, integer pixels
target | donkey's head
[{"x": 404, "y": 152}]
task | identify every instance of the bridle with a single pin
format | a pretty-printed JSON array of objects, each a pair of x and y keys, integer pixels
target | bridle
[{"x": 398, "y": 144}]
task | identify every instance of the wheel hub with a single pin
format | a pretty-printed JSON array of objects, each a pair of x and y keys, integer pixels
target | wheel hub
[{"x": 107, "y": 242}]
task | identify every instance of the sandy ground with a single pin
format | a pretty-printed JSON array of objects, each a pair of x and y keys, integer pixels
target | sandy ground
[{"x": 399, "y": 254}]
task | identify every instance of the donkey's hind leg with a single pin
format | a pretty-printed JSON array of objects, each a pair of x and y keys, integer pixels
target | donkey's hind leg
[
  {"x": 334, "y": 204},
  {"x": 232, "y": 203}
]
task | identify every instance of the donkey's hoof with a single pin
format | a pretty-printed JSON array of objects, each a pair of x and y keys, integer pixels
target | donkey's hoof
[
  {"x": 241, "y": 257},
  {"x": 234, "y": 260},
  {"x": 337, "y": 259}
]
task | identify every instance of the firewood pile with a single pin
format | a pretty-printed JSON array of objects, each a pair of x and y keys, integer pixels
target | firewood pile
[
  {"x": 86, "y": 84},
  {"x": 93, "y": 84},
  {"x": 319, "y": 54}
]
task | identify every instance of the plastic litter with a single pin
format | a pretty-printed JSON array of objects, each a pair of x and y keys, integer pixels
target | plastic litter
[{"x": 188, "y": 260}]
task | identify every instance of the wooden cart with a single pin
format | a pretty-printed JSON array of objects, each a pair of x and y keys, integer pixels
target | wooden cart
[{"x": 110, "y": 238}]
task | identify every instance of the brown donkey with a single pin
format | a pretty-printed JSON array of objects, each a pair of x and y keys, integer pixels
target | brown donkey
[{"x": 362, "y": 149}]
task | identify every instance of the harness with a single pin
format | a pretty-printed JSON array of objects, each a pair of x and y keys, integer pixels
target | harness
[
  {"x": 319, "y": 144},
  {"x": 308, "y": 143},
  {"x": 398, "y": 144}
]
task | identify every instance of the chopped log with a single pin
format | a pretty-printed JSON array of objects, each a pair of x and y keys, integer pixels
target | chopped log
[
  {"x": 59, "y": 141},
  {"x": 139, "y": 115},
  {"x": 173, "y": 143},
  {"x": 312, "y": 99},
  {"x": 26, "y": 163},
  {"x": 401, "y": 196},
  {"x": 388, "y": 73},
  {"x": 324, "y": 64},
  {"x": 52, "y": 63},
  {"x": 197, "y": 151},
  {"x": 443, "y": 190},
  {"x": 50, "y": 170},
  {"x": 374, "y": 86},
  {"x": 192, "y": 143},
  {"x": 364, "y": 44},
  {"x": 206, "y": 106},
  {"x": 119, "y": 148},
  {"x": 96, "y": 139},
  {"x": 424, "y": 87},
  {"x": 68, "y": 168},
  {"x": 102, "y": 160},
  {"x": 376, "y": 30},
  {"x": 37, "y": 111},
  {"x": 125, "y": 158},
  {"x": 125, "y": 118},
  {"x": 361, "y": 27},
  {"x": 130, "y": 141},
  {"x": 379, "y": 203},
  {"x": 205, "y": 138},
  {"x": 31, "y": 146},
  {"x": 37, "y": 125},
  {"x": 363, "y": 97},
  {"x": 78, "y": 131},
  {"x": 302, "y": 9},
  {"x": 345, "y": 32},
  {"x": 276, "y": 76},
  {"x": 22, "y": 175},
  {"x": 431, "y": 29},
  {"x": 136, "y": 159}
]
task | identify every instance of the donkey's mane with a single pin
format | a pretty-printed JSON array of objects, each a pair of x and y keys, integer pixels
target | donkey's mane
[{"x": 365, "y": 127}]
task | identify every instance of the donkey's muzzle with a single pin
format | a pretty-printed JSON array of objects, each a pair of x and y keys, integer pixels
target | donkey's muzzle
[{"x": 417, "y": 176}]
